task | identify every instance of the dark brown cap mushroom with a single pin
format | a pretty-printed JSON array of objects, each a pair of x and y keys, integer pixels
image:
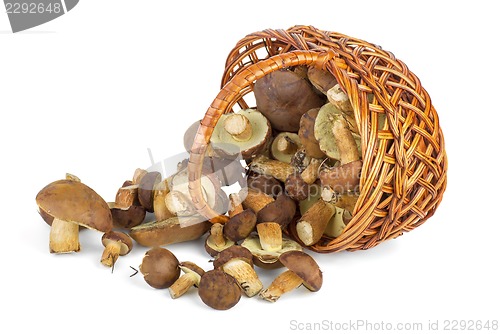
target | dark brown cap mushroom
[
  {"x": 216, "y": 242},
  {"x": 191, "y": 277},
  {"x": 283, "y": 97},
  {"x": 240, "y": 225},
  {"x": 160, "y": 268},
  {"x": 116, "y": 244},
  {"x": 281, "y": 211},
  {"x": 72, "y": 203},
  {"x": 219, "y": 290},
  {"x": 302, "y": 269},
  {"x": 237, "y": 262},
  {"x": 146, "y": 189},
  {"x": 264, "y": 183}
]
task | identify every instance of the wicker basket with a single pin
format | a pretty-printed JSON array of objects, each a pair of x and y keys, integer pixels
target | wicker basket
[{"x": 404, "y": 164}]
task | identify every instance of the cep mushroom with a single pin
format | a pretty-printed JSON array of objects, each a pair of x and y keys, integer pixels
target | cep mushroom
[
  {"x": 216, "y": 241},
  {"x": 302, "y": 270},
  {"x": 246, "y": 132},
  {"x": 71, "y": 203},
  {"x": 312, "y": 225},
  {"x": 160, "y": 268},
  {"x": 115, "y": 244},
  {"x": 191, "y": 277},
  {"x": 283, "y": 97},
  {"x": 219, "y": 290},
  {"x": 241, "y": 221},
  {"x": 284, "y": 146},
  {"x": 268, "y": 259},
  {"x": 126, "y": 210},
  {"x": 237, "y": 262},
  {"x": 146, "y": 188}
]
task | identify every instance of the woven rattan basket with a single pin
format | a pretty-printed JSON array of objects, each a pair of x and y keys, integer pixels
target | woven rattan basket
[{"x": 404, "y": 162}]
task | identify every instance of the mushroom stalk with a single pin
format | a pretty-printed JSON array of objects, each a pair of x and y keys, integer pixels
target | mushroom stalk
[
  {"x": 239, "y": 127},
  {"x": 111, "y": 253},
  {"x": 286, "y": 145},
  {"x": 235, "y": 205},
  {"x": 64, "y": 237},
  {"x": 310, "y": 174},
  {"x": 283, "y": 283},
  {"x": 256, "y": 200},
  {"x": 275, "y": 168},
  {"x": 217, "y": 235},
  {"x": 245, "y": 275},
  {"x": 183, "y": 284},
  {"x": 348, "y": 149},
  {"x": 270, "y": 236},
  {"x": 339, "y": 99},
  {"x": 314, "y": 221}
]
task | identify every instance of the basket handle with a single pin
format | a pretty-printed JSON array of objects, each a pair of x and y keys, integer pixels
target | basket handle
[{"x": 319, "y": 58}]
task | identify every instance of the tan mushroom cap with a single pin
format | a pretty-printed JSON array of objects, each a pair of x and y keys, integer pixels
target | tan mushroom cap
[
  {"x": 304, "y": 266},
  {"x": 75, "y": 202},
  {"x": 115, "y": 236},
  {"x": 191, "y": 267}
]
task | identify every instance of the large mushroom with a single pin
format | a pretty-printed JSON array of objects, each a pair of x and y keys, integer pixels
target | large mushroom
[
  {"x": 283, "y": 97},
  {"x": 71, "y": 203},
  {"x": 302, "y": 270}
]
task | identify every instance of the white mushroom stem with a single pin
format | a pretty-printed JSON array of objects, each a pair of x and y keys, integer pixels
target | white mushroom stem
[
  {"x": 283, "y": 283},
  {"x": 64, "y": 237},
  {"x": 217, "y": 235},
  {"x": 238, "y": 126},
  {"x": 338, "y": 98},
  {"x": 183, "y": 284},
  {"x": 111, "y": 253},
  {"x": 314, "y": 221},
  {"x": 245, "y": 275},
  {"x": 286, "y": 145},
  {"x": 275, "y": 168},
  {"x": 270, "y": 236}
]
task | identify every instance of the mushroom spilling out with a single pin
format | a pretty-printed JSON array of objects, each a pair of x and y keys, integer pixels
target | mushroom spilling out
[
  {"x": 191, "y": 277},
  {"x": 301, "y": 270},
  {"x": 160, "y": 268},
  {"x": 219, "y": 290},
  {"x": 71, "y": 203},
  {"x": 115, "y": 244}
]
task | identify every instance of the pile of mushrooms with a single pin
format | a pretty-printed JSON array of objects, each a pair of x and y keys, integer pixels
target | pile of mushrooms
[{"x": 297, "y": 159}]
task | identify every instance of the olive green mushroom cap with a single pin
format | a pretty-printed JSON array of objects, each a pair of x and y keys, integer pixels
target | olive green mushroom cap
[{"x": 75, "y": 202}]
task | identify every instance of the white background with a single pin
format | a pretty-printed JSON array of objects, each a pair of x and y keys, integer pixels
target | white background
[{"x": 90, "y": 92}]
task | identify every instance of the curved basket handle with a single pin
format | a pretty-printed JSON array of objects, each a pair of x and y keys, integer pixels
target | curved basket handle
[{"x": 222, "y": 103}]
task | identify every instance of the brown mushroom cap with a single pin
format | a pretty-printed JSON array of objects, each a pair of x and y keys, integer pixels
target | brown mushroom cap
[
  {"x": 219, "y": 290},
  {"x": 115, "y": 236},
  {"x": 160, "y": 268},
  {"x": 320, "y": 79},
  {"x": 129, "y": 217},
  {"x": 283, "y": 97},
  {"x": 75, "y": 202},
  {"x": 240, "y": 226},
  {"x": 146, "y": 189},
  {"x": 305, "y": 267},
  {"x": 191, "y": 267},
  {"x": 264, "y": 183},
  {"x": 306, "y": 134},
  {"x": 233, "y": 252},
  {"x": 281, "y": 211}
]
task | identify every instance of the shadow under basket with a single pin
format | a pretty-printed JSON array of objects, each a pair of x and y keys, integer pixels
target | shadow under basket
[{"x": 403, "y": 177}]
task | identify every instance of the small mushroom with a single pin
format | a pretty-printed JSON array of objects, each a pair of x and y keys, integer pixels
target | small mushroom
[
  {"x": 264, "y": 183},
  {"x": 246, "y": 132},
  {"x": 240, "y": 225},
  {"x": 283, "y": 97},
  {"x": 312, "y": 225},
  {"x": 160, "y": 268},
  {"x": 281, "y": 211},
  {"x": 146, "y": 189},
  {"x": 296, "y": 188},
  {"x": 302, "y": 270},
  {"x": 219, "y": 290},
  {"x": 284, "y": 146},
  {"x": 339, "y": 99},
  {"x": 126, "y": 210},
  {"x": 237, "y": 262},
  {"x": 266, "y": 259},
  {"x": 116, "y": 244},
  {"x": 216, "y": 241},
  {"x": 306, "y": 134},
  {"x": 278, "y": 169},
  {"x": 321, "y": 80},
  {"x": 71, "y": 203},
  {"x": 191, "y": 277}
]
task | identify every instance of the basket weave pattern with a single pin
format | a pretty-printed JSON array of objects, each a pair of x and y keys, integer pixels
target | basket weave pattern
[{"x": 404, "y": 161}]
